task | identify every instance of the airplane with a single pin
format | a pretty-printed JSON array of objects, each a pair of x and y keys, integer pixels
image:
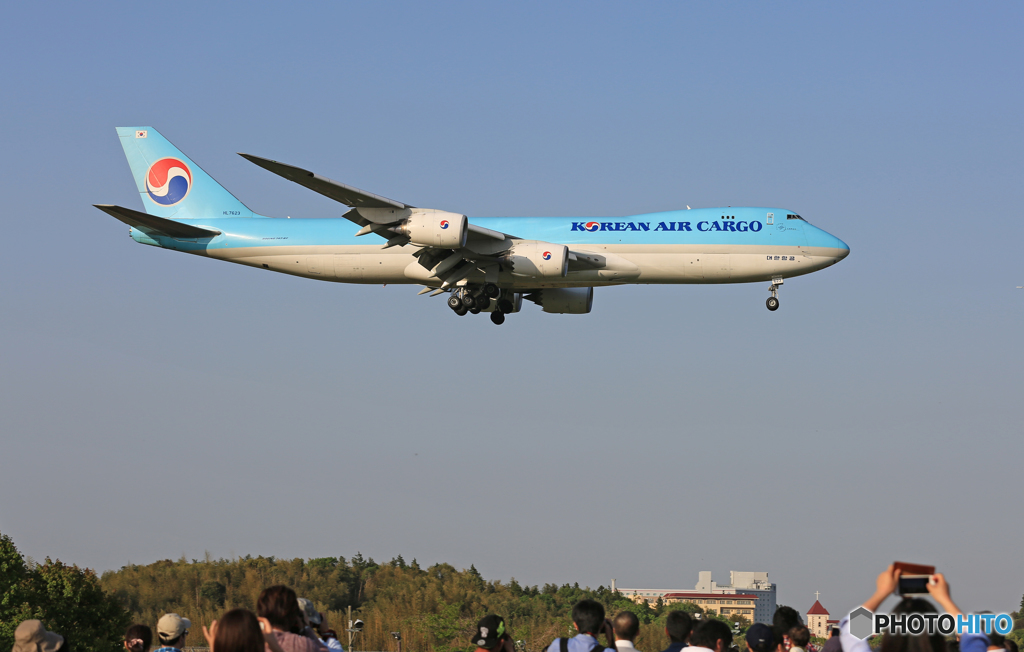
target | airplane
[{"x": 489, "y": 264}]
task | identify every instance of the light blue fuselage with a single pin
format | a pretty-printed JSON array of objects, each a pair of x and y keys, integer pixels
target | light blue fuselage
[{"x": 731, "y": 245}]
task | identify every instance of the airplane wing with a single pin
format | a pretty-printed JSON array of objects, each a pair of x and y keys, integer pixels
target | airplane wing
[
  {"x": 159, "y": 224},
  {"x": 339, "y": 192}
]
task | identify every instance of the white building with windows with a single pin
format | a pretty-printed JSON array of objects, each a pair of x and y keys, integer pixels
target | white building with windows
[{"x": 751, "y": 584}]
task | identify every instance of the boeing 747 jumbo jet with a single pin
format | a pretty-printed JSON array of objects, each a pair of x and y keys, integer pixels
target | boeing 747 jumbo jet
[{"x": 488, "y": 265}]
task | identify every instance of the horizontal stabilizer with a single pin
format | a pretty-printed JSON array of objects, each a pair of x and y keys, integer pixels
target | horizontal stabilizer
[
  {"x": 154, "y": 223},
  {"x": 339, "y": 192}
]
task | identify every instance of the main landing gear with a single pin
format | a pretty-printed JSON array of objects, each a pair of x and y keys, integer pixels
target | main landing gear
[
  {"x": 773, "y": 301},
  {"x": 474, "y": 301}
]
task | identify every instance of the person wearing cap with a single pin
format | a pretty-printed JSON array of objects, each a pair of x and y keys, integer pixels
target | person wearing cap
[
  {"x": 171, "y": 631},
  {"x": 678, "y": 626},
  {"x": 760, "y": 638},
  {"x": 318, "y": 624},
  {"x": 588, "y": 619},
  {"x": 491, "y": 636},
  {"x": 31, "y": 636},
  {"x": 626, "y": 626}
]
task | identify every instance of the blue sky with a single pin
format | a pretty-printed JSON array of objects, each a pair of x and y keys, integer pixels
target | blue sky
[{"x": 155, "y": 405}]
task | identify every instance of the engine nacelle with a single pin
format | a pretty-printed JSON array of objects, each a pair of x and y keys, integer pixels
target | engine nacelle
[
  {"x": 537, "y": 259},
  {"x": 432, "y": 228},
  {"x": 567, "y": 301}
]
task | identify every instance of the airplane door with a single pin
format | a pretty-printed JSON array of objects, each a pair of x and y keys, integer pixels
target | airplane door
[{"x": 314, "y": 265}]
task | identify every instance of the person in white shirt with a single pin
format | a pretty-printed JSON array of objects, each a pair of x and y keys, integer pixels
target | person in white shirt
[
  {"x": 626, "y": 626},
  {"x": 711, "y": 636}
]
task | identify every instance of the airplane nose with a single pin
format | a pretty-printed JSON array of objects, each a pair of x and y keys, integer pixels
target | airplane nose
[{"x": 844, "y": 249}]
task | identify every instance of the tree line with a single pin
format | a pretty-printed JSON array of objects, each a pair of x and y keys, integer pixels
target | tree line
[{"x": 435, "y": 608}]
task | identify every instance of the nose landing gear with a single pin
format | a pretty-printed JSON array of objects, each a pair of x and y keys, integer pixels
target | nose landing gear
[{"x": 773, "y": 301}]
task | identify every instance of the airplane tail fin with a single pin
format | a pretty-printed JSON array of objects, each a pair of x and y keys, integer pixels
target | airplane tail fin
[{"x": 170, "y": 184}]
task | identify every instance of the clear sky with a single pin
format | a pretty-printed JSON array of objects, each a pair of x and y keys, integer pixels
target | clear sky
[{"x": 154, "y": 405}]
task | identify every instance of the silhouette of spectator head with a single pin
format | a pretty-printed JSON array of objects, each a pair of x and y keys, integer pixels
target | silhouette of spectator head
[
  {"x": 626, "y": 626},
  {"x": 913, "y": 642},
  {"x": 490, "y": 633},
  {"x": 712, "y": 634},
  {"x": 588, "y": 616},
  {"x": 172, "y": 629},
  {"x": 785, "y": 619},
  {"x": 280, "y": 606},
  {"x": 760, "y": 638},
  {"x": 799, "y": 636},
  {"x": 678, "y": 626},
  {"x": 138, "y": 638},
  {"x": 238, "y": 631},
  {"x": 31, "y": 636}
]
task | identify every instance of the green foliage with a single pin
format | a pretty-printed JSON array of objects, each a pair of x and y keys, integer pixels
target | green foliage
[
  {"x": 69, "y": 601},
  {"x": 12, "y": 575},
  {"x": 446, "y": 625}
]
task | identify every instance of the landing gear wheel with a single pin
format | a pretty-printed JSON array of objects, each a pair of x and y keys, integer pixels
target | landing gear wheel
[
  {"x": 497, "y": 318},
  {"x": 454, "y": 302},
  {"x": 505, "y": 306},
  {"x": 468, "y": 302},
  {"x": 491, "y": 291},
  {"x": 461, "y": 312},
  {"x": 772, "y": 303},
  {"x": 474, "y": 311}
]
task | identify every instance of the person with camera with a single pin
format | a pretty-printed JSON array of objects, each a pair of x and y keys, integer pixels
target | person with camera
[
  {"x": 887, "y": 584},
  {"x": 588, "y": 619},
  {"x": 318, "y": 625},
  {"x": 280, "y": 606}
]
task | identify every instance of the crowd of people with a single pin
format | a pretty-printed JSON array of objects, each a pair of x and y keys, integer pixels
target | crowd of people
[{"x": 284, "y": 622}]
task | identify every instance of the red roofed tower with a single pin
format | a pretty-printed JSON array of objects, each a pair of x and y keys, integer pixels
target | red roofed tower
[{"x": 817, "y": 619}]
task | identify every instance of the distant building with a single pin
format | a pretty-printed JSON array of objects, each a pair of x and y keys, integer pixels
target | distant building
[
  {"x": 726, "y": 604},
  {"x": 743, "y": 585},
  {"x": 818, "y": 621}
]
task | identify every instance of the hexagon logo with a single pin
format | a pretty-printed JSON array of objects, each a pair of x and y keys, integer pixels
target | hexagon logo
[{"x": 860, "y": 622}]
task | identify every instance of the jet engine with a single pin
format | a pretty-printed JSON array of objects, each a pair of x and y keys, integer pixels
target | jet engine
[
  {"x": 537, "y": 259},
  {"x": 435, "y": 229},
  {"x": 566, "y": 301}
]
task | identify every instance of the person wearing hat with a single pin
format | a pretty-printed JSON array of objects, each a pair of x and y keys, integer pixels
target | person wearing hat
[
  {"x": 171, "y": 631},
  {"x": 31, "y": 636},
  {"x": 760, "y": 638},
  {"x": 491, "y": 635}
]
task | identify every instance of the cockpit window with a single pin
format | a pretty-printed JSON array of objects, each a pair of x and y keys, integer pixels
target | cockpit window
[{"x": 794, "y": 217}]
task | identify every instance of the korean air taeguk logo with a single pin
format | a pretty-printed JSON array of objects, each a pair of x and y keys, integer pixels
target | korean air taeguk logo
[
  {"x": 444, "y": 224},
  {"x": 592, "y": 226},
  {"x": 546, "y": 255},
  {"x": 168, "y": 181}
]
